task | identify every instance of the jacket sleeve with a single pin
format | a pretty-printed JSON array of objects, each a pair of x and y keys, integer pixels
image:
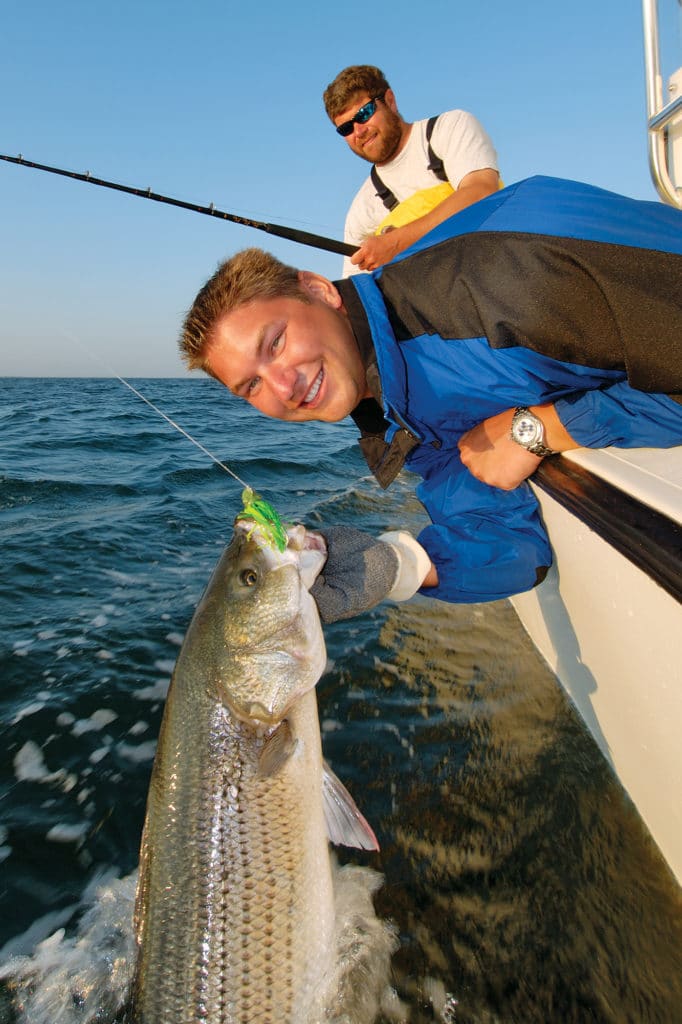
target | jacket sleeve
[
  {"x": 620, "y": 416},
  {"x": 486, "y": 543}
]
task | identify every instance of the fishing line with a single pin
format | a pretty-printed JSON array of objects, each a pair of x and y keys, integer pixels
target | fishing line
[
  {"x": 255, "y": 509},
  {"x": 182, "y": 431},
  {"x": 293, "y": 234},
  {"x": 101, "y": 362}
]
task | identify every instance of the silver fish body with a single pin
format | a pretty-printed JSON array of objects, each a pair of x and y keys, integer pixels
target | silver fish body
[{"x": 235, "y": 905}]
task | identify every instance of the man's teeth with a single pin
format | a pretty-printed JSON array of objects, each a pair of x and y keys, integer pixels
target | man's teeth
[{"x": 312, "y": 394}]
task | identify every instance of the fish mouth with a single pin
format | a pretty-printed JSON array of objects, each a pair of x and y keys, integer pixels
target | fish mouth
[{"x": 311, "y": 551}]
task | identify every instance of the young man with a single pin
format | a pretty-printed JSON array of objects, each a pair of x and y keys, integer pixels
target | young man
[
  {"x": 546, "y": 317},
  {"x": 422, "y": 172}
]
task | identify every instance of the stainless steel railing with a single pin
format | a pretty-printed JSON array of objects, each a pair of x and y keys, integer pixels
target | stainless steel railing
[{"x": 664, "y": 120}]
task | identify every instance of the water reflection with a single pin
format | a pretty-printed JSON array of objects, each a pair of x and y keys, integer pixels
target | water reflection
[{"x": 521, "y": 880}]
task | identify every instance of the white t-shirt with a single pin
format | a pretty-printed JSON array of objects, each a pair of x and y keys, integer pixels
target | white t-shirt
[{"x": 458, "y": 139}]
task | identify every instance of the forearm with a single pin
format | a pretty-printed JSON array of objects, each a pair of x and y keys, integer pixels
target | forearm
[
  {"x": 464, "y": 196},
  {"x": 620, "y": 416},
  {"x": 616, "y": 415},
  {"x": 490, "y": 454},
  {"x": 380, "y": 249},
  {"x": 431, "y": 578}
]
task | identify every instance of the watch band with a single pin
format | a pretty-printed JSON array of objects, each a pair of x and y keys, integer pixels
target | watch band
[
  {"x": 535, "y": 447},
  {"x": 541, "y": 450}
]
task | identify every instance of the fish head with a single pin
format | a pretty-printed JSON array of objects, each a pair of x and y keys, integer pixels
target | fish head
[{"x": 267, "y": 643}]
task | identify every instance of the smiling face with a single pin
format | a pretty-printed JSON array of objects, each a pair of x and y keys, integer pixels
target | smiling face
[
  {"x": 292, "y": 360},
  {"x": 381, "y": 137}
]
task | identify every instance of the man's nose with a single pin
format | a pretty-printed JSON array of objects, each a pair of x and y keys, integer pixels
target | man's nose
[{"x": 283, "y": 382}]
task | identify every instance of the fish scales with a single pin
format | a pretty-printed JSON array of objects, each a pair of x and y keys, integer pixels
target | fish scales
[{"x": 235, "y": 907}]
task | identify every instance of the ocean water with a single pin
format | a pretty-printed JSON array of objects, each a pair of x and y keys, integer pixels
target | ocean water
[{"x": 520, "y": 881}]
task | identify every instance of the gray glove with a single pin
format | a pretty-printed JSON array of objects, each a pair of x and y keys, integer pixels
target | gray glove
[{"x": 359, "y": 573}]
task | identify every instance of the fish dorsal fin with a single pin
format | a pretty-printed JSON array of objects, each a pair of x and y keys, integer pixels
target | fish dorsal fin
[
  {"x": 346, "y": 826},
  {"x": 277, "y": 750}
]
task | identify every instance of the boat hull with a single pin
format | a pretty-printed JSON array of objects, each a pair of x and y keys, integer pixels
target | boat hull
[{"x": 611, "y": 630}]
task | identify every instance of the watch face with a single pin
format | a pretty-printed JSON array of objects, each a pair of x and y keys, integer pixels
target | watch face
[{"x": 526, "y": 430}]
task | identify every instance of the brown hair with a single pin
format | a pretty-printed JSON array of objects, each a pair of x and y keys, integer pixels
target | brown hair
[
  {"x": 354, "y": 79},
  {"x": 249, "y": 274}
]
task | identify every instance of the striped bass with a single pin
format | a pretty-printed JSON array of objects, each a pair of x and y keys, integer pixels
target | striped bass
[{"x": 235, "y": 901}]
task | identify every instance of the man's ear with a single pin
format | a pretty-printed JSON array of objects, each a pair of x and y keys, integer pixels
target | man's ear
[
  {"x": 390, "y": 100},
  {"x": 319, "y": 287}
]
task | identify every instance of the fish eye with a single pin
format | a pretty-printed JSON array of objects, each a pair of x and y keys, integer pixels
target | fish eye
[{"x": 248, "y": 577}]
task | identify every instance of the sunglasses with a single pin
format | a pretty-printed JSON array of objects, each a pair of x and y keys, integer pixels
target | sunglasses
[{"x": 362, "y": 117}]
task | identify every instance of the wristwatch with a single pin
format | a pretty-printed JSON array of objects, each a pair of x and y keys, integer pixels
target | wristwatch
[{"x": 528, "y": 431}]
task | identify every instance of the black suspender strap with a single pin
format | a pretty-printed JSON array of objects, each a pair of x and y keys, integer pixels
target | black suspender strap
[
  {"x": 435, "y": 165},
  {"x": 435, "y": 162},
  {"x": 383, "y": 191}
]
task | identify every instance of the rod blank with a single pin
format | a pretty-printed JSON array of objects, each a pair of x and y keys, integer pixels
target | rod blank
[{"x": 292, "y": 234}]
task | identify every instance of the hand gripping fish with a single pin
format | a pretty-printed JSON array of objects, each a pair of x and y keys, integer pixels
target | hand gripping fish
[{"x": 235, "y": 904}]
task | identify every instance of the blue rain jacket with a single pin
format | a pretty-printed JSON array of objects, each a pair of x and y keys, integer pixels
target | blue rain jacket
[{"x": 548, "y": 291}]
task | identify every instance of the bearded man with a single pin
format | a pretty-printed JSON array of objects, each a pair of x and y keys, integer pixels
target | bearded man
[{"x": 422, "y": 172}]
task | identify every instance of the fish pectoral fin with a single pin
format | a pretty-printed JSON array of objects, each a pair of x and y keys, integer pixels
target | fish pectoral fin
[
  {"x": 277, "y": 750},
  {"x": 346, "y": 826}
]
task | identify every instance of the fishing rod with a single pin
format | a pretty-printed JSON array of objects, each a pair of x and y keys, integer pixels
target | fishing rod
[{"x": 293, "y": 234}]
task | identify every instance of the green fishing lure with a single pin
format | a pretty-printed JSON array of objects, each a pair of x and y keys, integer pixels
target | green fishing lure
[{"x": 261, "y": 513}]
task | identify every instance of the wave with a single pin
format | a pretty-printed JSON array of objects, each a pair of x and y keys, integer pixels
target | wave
[{"x": 503, "y": 836}]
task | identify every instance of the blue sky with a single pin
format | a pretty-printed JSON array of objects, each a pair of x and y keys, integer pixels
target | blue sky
[{"x": 221, "y": 102}]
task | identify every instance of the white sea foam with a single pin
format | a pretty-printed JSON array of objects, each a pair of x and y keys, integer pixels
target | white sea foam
[
  {"x": 175, "y": 638},
  {"x": 156, "y": 692},
  {"x": 164, "y": 665},
  {"x": 126, "y": 577},
  {"x": 86, "y": 978},
  {"x": 97, "y": 755},
  {"x": 67, "y": 833},
  {"x": 143, "y": 752},
  {"x": 79, "y": 979},
  {"x": 29, "y": 766},
  {"x": 97, "y": 720},
  {"x": 28, "y": 709},
  {"x": 25, "y": 945}
]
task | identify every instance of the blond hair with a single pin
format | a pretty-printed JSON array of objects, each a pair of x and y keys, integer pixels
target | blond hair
[{"x": 249, "y": 274}]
